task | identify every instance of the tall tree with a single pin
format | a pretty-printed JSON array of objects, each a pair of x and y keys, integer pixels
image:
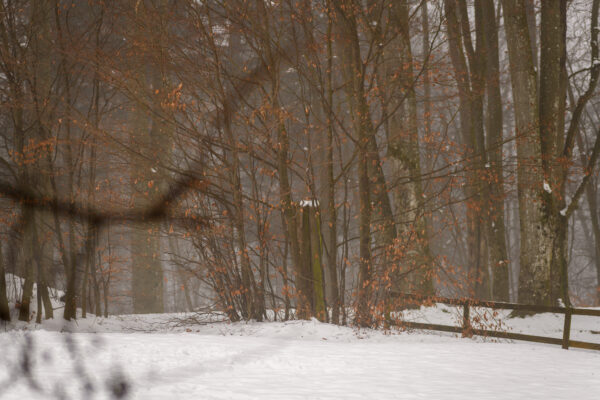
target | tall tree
[
  {"x": 354, "y": 73},
  {"x": 552, "y": 109},
  {"x": 494, "y": 133},
  {"x": 557, "y": 146},
  {"x": 543, "y": 147},
  {"x": 151, "y": 133},
  {"x": 403, "y": 144},
  {"x": 469, "y": 63},
  {"x": 535, "y": 235},
  {"x": 329, "y": 206}
]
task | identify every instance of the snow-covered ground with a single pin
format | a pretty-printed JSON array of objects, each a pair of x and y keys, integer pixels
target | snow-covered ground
[
  {"x": 295, "y": 360},
  {"x": 165, "y": 357}
]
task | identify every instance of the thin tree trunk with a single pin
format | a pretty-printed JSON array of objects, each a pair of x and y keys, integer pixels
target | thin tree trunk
[
  {"x": 352, "y": 70},
  {"x": 248, "y": 281},
  {"x": 105, "y": 289},
  {"x": 331, "y": 214},
  {"x": 43, "y": 297},
  {"x": 27, "y": 264},
  {"x": 316, "y": 244},
  {"x": 96, "y": 286},
  {"x": 70, "y": 311},
  {"x": 4, "y": 310},
  {"x": 495, "y": 223},
  {"x": 426, "y": 76},
  {"x": 559, "y": 254},
  {"x": 471, "y": 122},
  {"x": 591, "y": 193},
  {"x": 85, "y": 278}
]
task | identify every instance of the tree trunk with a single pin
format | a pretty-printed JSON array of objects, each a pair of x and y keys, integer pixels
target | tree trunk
[
  {"x": 291, "y": 225},
  {"x": 147, "y": 275},
  {"x": 39, "y": 251},
  {"x": 403, "y": 145},
  {"x": 330, "y": 213},
  {"x": 4, "y": 310},
  {"x": 353, "y": 73},
  {"x": 591, "y": 197},
  {"x": 591, "y": 193},
  {"x": 426, "y": 75},
  {"x": 105, "y": 289},
  {"x": 26, "y": 262},
  {"x": 532, "y": 26},
  {"x": 312, "y": 255},
  {"x": 470, "y": 93},
  {"x": 383, "y": 223},
  {"x": 151, "y": 134},
  {"x": 536, "y": 236},
  {"x": 495, "y": 223},
  {"x": 552, "y": 120}
]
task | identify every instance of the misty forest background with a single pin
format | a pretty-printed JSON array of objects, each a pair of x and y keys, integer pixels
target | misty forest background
[{"x": 311, "y": 157}]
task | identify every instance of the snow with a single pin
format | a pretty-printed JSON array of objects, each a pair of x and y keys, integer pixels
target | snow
[
  {"x": 308, "y": 203},
  {"x": 305, "y": 360},
  {"x": 547, "y": 188},
  {"x": 164, "y": 356}
]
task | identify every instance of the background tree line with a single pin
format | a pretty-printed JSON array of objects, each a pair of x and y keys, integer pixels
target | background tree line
[{"x": 311, "y": 158}]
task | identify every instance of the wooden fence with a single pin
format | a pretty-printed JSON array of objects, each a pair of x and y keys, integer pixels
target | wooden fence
[{"x": 467, "y": 330}]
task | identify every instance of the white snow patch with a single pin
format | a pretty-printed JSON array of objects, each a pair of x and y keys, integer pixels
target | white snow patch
[{"x": 308, "y": 203}]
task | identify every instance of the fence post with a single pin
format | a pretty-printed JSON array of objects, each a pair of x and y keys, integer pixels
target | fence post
[
  {"x": 567, "y": 328},
  {"x": 466, "y": 320}
]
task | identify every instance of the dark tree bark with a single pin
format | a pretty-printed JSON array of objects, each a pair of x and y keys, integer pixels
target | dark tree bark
[
  {"x": 552, "y": 109},
  {"x": 468, "y": 73},
  {"x": 26, "y": 263},
  {"x": 331, "y": 212},
  {"x": 4, "y": 310},
  {"x": 536, "y": 236},
  {"x": 495, "y": 223}
]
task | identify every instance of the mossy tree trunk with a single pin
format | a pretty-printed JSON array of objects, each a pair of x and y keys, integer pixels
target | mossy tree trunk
[{"x": 312, "y": 256}]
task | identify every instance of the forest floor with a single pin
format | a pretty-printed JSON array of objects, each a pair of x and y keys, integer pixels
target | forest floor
[{"x": 167, "y": 356}]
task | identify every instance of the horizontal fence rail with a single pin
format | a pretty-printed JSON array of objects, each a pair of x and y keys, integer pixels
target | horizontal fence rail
[{"x": 467, "y": 330}]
